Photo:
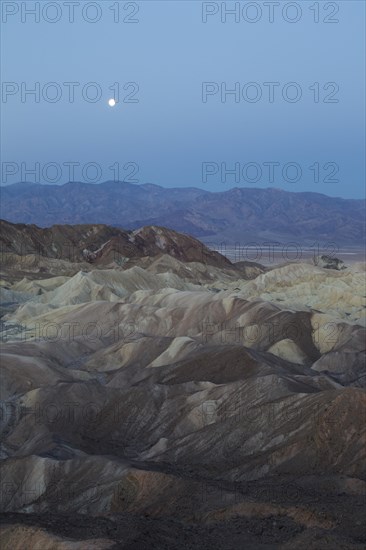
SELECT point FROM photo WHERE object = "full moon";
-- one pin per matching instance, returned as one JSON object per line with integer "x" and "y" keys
{"x": 111, "y": 102}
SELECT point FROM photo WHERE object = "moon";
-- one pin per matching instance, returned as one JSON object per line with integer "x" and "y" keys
{"x": 112, "y": 102}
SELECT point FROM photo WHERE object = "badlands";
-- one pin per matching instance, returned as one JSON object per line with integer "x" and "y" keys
{"x": 156, "y": 395}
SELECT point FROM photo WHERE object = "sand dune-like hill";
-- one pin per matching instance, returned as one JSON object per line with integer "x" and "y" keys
{"x": 170, "y": 399}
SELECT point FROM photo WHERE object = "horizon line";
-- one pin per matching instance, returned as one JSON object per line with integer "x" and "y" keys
{"x": 279, "y": 189}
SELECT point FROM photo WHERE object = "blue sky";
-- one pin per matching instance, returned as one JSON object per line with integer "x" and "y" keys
{"x": 169, "y": 135}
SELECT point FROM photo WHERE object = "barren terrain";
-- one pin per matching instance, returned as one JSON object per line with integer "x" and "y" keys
{"x": 156, "y": 395}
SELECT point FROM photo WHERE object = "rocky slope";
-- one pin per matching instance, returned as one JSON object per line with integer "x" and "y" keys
{"x": 177, "y": 404}
{"x": 101, "y": 244}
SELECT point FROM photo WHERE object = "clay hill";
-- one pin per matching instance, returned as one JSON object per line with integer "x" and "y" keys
{"x": 156, "y": 395}
{"x": 239, "y": 214}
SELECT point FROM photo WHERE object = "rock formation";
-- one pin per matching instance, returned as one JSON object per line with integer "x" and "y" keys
{"x": 176, "y": 400}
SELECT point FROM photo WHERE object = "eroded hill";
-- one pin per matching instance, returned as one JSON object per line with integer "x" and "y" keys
{"x": 175, "y": 400}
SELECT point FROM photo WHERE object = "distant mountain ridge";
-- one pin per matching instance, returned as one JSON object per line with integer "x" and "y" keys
{"x": 239, "y": 214}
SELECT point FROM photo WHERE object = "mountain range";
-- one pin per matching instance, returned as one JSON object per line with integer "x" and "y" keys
{"x": 245, "y": 215}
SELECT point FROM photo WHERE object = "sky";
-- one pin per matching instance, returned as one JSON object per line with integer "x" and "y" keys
{"x": 295, "y": 117}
